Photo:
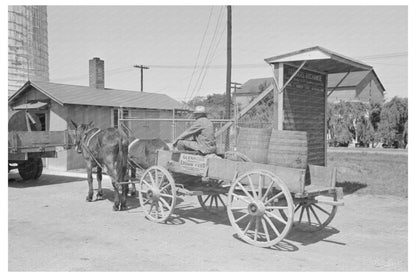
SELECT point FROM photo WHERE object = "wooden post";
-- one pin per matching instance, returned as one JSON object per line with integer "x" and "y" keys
{"x": 278, "y": 97}
{"x": 228, "y": 78}
{"x": 325, "y": 116}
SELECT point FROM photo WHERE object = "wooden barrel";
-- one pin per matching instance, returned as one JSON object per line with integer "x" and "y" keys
{"x": 254, "y": 143}
{"x": 288, "y": 149}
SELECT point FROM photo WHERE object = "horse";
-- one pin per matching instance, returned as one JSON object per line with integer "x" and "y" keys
{"x": 142, "y": 155}
{"x": 104, "y": 148}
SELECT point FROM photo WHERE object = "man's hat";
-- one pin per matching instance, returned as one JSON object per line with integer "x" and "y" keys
{"x": 199, "y": 110}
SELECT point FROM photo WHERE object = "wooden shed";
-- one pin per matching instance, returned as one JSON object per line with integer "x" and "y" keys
{"x": 301, "y": 93}
{"x": 57, "y": 104}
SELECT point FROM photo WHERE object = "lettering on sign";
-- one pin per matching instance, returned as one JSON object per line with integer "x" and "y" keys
{"x": 195, "y": 163}
{"x": 304, "y": 79}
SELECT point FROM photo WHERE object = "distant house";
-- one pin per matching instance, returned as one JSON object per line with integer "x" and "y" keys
{"x": 251, "y": 89}
{"x": 363, "y": 86}
{"x": 57, "y": 104}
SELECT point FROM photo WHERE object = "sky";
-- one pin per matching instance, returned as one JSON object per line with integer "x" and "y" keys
{"x": 185, "y": 46}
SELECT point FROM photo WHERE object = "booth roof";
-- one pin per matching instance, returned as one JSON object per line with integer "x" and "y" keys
{"x": 320, "y": 59}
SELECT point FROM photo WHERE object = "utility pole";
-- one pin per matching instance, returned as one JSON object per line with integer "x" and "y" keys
{"x": 228, "y": 79}
{"x": 141, "y": 74}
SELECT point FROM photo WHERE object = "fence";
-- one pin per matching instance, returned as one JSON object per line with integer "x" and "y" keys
{"x": 170, "y": 128}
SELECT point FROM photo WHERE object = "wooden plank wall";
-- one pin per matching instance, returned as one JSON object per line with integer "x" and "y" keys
{"x": 304, "y": 110}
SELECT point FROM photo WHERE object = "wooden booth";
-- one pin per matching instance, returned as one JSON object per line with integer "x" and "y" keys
{"x": 299, "y": 104}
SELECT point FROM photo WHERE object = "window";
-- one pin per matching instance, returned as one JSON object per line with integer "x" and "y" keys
{"x": 114, "y": 117}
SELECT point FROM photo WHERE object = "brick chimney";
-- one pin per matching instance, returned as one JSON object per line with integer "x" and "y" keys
{"x": 96, "y": 73}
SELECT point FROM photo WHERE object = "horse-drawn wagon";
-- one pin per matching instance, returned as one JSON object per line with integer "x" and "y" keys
{"x": 263, "y": 201}
{"x": 27, "y": 144}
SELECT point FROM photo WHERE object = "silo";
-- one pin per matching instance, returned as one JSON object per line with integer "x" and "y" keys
{"x": 28, "y": 45}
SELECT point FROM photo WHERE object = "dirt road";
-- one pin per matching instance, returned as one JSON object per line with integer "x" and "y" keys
{"x": 53, "y": 228}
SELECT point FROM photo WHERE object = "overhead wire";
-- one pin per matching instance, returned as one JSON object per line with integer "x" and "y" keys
{"x": 199, "y": 52}
{"x": 204, "y": 67}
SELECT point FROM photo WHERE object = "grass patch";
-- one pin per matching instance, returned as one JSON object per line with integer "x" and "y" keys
{"x": 371, "y": 173}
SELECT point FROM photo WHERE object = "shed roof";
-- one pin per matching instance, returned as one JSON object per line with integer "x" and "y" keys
{"x": 84, "y": 95}
{"x": 321, "y": 60}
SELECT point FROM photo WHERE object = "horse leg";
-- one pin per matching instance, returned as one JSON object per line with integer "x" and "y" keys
{"x": 125, "y": 190}
{"x": 133, "y": 185}
{"x": 89, "y": 178}
{"x": 114, "y": 180}
{"x": 99, "y": 179}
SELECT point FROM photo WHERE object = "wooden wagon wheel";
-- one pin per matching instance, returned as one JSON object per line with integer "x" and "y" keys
{"x": 30, "y": 169}
{"x": 311, "y": 216}
{"x": 157, "y": 193}
{"x": 254, "y": 201}
{"x": 213, "y": 203}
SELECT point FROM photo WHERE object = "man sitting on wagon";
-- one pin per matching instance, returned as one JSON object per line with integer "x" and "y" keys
{"x": 200, "y": 136}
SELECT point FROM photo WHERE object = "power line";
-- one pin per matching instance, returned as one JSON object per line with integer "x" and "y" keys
{"x": 208, "y": 53}
{"x": 199, "y": 52}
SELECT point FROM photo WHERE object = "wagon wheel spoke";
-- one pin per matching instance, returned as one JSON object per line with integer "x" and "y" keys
{"x": 268, "y": 220}
{"x": 297, "y": 208}
{"x": 166, "y": 195}
{"x": 248, "y": 225}
{"x": 274, "y": 197}
{"x": 245, "y": 191}
{"x": 147, "y": 184}
{"x": 267, "y": 191}
{"x": 328, "y": 213}
{"x": 309, "y": 216}
{"x": 206, "y": 199}
{"x": 252, "y": 187}
{"x": 240, "y": 197}
{"x": 151, "y": 178}
{"x": 301, "y": 214}
{"x": 314, "y": 214}
{"x": 219, "y": 197}
{"x": 256, "y": 228}
{"x": 276, "y": 217}
{"x": 216, "y": 201}
{"x": 241, "y": 217}
{"x": 266, "y": 232}
{"x": 212, "y": 200}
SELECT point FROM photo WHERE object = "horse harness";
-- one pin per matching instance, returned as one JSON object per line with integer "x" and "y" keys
{"x": 86, "y": 145}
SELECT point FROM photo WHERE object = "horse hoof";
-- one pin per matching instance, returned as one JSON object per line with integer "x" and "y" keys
{"x": 115, "y": 208}
{"x": 123, "y": 208}
{"x": 88, "y": 199}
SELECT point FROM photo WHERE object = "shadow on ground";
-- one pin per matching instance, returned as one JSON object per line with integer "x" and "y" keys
{"x": 350, "y": 187}
{"x": 15, "y": 181}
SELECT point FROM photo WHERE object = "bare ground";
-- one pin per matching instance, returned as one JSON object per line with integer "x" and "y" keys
{"x": 52, "y": 228}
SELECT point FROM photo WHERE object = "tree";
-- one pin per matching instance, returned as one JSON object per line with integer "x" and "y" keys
{"x": 393, "y": 118}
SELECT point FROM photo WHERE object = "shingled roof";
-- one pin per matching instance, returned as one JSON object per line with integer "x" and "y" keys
{"x": 84, "y": 95}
